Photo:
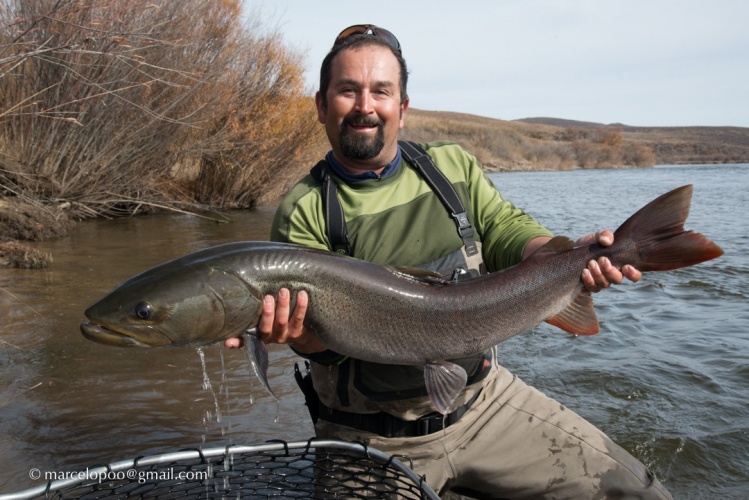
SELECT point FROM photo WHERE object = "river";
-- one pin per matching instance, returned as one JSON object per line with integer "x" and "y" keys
{"x": 667, "y": 378}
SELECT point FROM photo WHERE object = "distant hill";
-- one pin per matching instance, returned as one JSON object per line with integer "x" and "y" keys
{"x": 674, "y": 145}
{"x": 559, "y": 144}
{"x": 559, "y": 122}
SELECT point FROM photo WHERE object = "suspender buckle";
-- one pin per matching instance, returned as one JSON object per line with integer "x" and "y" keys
{"x": 466, "y": 233}
{"x": 462, "y": 221}
{"x": 342, "y": 249}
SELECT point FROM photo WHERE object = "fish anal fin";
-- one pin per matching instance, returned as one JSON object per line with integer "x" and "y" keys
{"x": 444, "y": 382}
{"x": 578, "y": 318}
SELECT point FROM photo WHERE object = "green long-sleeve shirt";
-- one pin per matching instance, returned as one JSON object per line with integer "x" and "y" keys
{"x": 398, "y": 220}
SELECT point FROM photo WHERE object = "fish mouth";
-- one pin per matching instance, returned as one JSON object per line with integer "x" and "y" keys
{"x": 109, "y": 336}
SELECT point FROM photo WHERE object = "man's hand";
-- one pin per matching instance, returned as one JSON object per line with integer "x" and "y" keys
{"x": 601, "y": 273}
{"x": 278, "y": 325}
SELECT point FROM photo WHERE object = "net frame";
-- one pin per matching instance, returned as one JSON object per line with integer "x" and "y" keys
{"x": 317, "y": 468}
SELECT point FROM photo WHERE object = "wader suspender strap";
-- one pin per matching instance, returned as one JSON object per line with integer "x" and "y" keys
{"x": 335, "y": 223}
{"x": 444, "y": 191}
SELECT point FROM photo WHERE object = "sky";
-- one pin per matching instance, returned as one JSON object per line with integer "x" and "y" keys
{"x": 636, "y": 62}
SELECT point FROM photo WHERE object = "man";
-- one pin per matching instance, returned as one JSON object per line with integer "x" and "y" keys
{"x": 501, "y": 438}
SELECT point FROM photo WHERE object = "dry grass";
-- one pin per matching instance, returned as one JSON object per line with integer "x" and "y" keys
{"x": 20, "y": 256}
{"x": 505, "y": 145}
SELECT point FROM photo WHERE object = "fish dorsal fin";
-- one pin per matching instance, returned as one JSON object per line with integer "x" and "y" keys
{"x": 444, "y": 381}
{"x": 417, "y": 274}
{"x": 578, "y": 318}
{"x": 555, "y": 245}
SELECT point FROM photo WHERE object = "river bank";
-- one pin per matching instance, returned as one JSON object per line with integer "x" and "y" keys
{"x": 23, "y": 221}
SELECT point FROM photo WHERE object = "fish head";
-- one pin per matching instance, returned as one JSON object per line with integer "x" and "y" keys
{"x": 185, "y": 306}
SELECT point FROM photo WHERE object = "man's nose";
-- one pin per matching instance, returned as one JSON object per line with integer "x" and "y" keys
{"x": 364, "y": 102}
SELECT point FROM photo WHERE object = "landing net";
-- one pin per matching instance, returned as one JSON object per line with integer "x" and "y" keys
{"x": 277, "y": 470}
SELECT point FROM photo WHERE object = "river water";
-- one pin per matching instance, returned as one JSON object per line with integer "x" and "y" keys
{"x": 667, "y": 377}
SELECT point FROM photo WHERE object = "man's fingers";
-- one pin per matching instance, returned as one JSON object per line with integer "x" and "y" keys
{"x": 296, "y": 322}
{"x": 593, "y": 277}
{"x": 233, "y": 342}
{"x": 281, "y": 322}
{"x": 277, "y": 324}
{"x": 605, "y": 238}
{"x": 588, "y": 281}
{"x": 609, "y": 274}
{"x": 595, "y": 270}
{"x": 632, "y": 274}
{"x": 265, "y": 325}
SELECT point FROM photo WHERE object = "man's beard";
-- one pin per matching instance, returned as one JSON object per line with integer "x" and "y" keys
{"x": 361, "y": 146}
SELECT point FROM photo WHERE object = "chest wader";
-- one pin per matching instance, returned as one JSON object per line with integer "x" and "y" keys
{"x": 380, "y": 382}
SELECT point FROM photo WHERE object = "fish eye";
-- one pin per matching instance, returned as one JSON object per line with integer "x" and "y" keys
{"x": 144, "y": 310}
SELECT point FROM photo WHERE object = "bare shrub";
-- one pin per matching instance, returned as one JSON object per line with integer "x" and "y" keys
{"x": 637, "y": 155}
{"x": 608, "y": 136}
{"x": 116, "y": 105}
{"x": 570, "y": 134}
{"x": 586, "y": 154}
{"x": 551, "y": 156}
{"x": 495, "y": 147}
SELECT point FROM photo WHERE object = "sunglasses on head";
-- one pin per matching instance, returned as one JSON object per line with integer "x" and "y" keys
{"x": 369, "y": 29}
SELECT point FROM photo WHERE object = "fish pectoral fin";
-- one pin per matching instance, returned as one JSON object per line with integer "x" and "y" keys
{"x": 421, "y": 275}
{"x": 444, "y": 381}
{"x": 578, "y": 318}
{"x": 257, "y": 355}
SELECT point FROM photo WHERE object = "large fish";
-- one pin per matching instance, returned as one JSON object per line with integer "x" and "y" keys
{"x": 387, "y": 314}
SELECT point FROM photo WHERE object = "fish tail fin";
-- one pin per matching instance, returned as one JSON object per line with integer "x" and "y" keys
{"x": 660, "y": 241}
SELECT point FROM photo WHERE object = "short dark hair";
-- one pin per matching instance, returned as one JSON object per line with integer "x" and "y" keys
{"x": 355, "y": 42}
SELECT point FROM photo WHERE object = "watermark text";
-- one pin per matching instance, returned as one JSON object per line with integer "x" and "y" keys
{"x": 103, "y": 476}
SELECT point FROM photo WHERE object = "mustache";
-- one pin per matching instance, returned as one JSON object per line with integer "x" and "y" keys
{"x": 362, "y": 121}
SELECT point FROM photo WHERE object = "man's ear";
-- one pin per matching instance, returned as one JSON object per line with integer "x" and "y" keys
{"x": 404, "y": 108}
{"x": 321, "y": 108}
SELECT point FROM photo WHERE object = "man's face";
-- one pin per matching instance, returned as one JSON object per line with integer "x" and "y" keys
{"x": 364, "y": 111}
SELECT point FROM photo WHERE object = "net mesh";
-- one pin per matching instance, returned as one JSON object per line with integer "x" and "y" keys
{"x": 312, "y": 469}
